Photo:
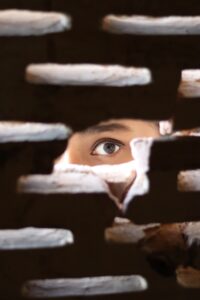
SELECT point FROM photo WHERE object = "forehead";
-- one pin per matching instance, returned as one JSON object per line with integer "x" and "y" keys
{"x": 125, "y": 129}
{"x": 140, "y": 127}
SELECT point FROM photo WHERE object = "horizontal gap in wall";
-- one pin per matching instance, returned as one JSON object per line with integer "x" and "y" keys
{"x": 178, "y": 207}
{"x": 186, "y": 114}
{"x": 101, "y": 8}
{"x": 98, "y": 46}
{"x": 168, "y": 154}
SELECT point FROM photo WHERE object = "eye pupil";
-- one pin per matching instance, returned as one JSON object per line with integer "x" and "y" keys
{"x": 109, "y": 148}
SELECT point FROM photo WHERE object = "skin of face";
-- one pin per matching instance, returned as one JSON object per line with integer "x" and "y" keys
{"x": 108, "y": 143}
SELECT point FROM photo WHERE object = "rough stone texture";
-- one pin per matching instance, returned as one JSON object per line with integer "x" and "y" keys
{"x": 84, "y": 287}
{"x": 33, "y": 238}
{"x": 62, "y": 183}
{"x": 188, "y": 277}
{"x": 114, "y": 180}
{"x": 13, "y": 132}
{"x": 126, "y": 233}
{"x": 25, "y": 22}
{"x": 190, "y": 84}
{"x": 87, "y": 74}
{"x": 144, "y": 25}
{"x": 189, "y": 181}
{"x": 110, "y": 173}
{"x": 164, "y": 237}
{"x": 76, "y": 179}
{"x": 117, "y": 178}
{"x": 167, "y": 246}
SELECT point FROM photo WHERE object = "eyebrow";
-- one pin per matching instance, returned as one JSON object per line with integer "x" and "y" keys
{"x": 106, "y": 127}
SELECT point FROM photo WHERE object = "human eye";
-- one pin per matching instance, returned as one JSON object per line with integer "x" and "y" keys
{"x": 106, "y": 147}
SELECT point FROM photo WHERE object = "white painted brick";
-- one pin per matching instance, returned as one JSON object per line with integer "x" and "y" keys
{"x": 190, "y": 84}
{"x": 148, "y": 25}
{"x": 34, "y": 238}
{"x": 32, "y": 132}
{"x": 74, "y": 182}
{"x": 24, "y": 22}
{"x": 92, "y": 286}
{"x": 87, "y": 74}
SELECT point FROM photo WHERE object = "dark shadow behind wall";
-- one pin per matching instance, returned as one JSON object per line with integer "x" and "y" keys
{"x": 80, "y": 107}
{"x": 87, "y": 43}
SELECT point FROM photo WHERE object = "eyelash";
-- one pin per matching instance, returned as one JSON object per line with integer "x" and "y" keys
{"x": 97, "y": 143}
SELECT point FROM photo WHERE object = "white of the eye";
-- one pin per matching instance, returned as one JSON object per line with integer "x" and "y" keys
{"x": 100, "y": 149}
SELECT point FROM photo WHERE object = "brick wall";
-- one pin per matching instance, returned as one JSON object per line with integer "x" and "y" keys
{"x": 59, "y": 227}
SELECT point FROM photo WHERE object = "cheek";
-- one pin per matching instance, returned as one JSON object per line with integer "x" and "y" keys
{"x": 75, "y": 150}
{"x": 74, "y": 155}
{"x": 82, "y": 156}
{"x": 123, "y": 156}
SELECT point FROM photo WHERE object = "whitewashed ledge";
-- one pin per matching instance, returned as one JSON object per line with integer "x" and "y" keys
{"x": 32, "y": 132}
{"x": 83, "y": 287}
{"x": 60, "y": 183}
{"x": 119, "y": 173}
{"x": 149, "y": 25}
{"x": 25, "y": 23}
{"x": 34, "y": 238}
{"x": 87, "y": 75}
{"x": 190, "y": 84}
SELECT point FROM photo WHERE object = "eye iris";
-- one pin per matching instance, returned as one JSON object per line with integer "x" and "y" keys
{"x": 109, "y": 148}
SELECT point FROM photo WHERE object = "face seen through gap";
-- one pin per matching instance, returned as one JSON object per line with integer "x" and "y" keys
{"x": 108, "y": 143}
